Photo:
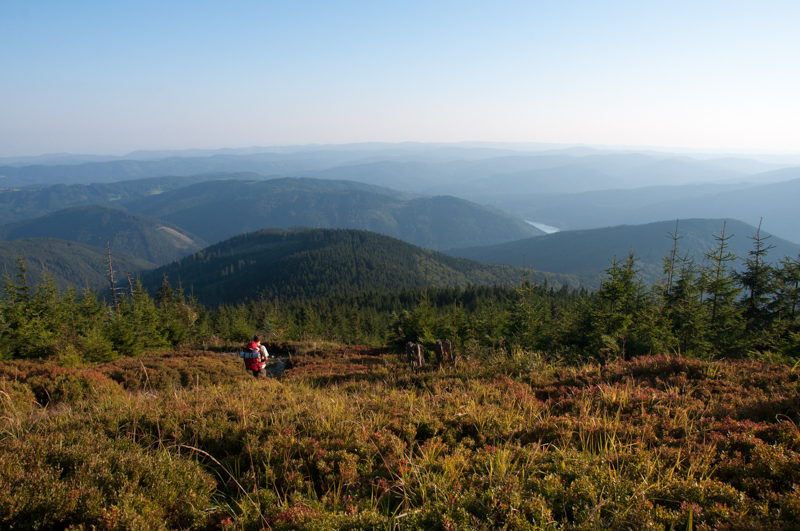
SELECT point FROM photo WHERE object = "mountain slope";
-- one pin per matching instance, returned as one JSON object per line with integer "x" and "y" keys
{"x": 216, "y": 211}
{"x": 775, "y": 202}
{"x": 28, "y": 203}
{"x": 137, "y": 235}
{"x": 299, "y": 264}
{"x": 69, "y": 263}
{"x": 587, "y": 252}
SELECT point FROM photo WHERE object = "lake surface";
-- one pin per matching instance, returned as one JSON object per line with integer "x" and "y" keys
{"x": 549, "y": 229}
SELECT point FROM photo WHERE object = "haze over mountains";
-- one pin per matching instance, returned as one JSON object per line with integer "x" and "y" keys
{"x": 219, "y": 209}
{"x": 471, "y": 198}
{"x": 589, "y": 252}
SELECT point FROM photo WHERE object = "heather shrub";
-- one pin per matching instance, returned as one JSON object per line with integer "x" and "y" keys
{"x": 86, "y": 481}
{"x": 52, "y": 384}
{"x": 15, "y": 397}
{"x": 174, "y": 370}
{"x": 348, "y": 439}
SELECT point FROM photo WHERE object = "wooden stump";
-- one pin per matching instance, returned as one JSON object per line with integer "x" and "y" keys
{"x": 444, "y": 352}
{"x": 414, "y": 353}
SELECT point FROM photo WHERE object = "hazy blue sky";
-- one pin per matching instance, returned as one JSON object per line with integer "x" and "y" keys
{"x": 111, "y": 77}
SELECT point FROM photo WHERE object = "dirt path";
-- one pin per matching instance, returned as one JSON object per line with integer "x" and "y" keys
{"x": 276, "y": 364}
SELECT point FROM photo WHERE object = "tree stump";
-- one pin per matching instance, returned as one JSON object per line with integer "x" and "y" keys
{"x": 414, "y": 353}
{"x": 444, "y": 352}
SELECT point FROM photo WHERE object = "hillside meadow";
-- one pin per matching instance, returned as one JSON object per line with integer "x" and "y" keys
{"x": 349, "y": 438}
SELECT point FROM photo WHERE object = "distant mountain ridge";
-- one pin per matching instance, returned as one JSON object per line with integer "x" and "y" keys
{"x": 569, "y": 187}
{"x": 134, "y": 234}
{"x": 28, "y": 203}
{"x": 588, "y": 252}
{"x": 775, "y": 202}
{"x": 216, "y": 211}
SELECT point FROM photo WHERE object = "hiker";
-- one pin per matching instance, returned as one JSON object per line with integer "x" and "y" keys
{"x": 257, "y": 363}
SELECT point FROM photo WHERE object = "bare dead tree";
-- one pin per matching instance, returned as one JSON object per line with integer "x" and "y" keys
{"x": 111, "y": 277}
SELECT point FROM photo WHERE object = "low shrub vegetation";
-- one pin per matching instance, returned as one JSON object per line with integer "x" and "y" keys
{"x": 349, "y": 438}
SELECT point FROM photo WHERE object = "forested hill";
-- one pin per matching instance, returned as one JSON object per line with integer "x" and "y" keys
{"x": 216, "y": 211}
{"x": 587, "y": 252}
{"x": 299, "y": 264}
{"x": 28, "y": 203}
{"x": 69, "y": 263}
{"x": 228, "y": 205}
{"x": 137, "y": 235}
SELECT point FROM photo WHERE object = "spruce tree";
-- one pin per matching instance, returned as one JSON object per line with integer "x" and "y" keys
{"x": 757, "y": 280}
{"x": 683, "y": 308}
{"x": 786, "y": 303}
{"x": 614, "y": 306}
{"x": 529, "y": 314}
{"x": 721, "y": 291}
{"x": 785, "y": 307}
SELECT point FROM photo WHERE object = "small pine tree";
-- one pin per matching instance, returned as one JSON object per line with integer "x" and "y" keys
{"x": 683, "y": 308}
{"x": 613, "y": 310}
{"x": 529, "y": 317}
{"x": 722, "y": 290}
{"x": 757, "y": 281}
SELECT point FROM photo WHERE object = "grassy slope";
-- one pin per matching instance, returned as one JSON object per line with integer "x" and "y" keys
{"x": 351, "y": 439}
{"x": 291, "y": 264}
{"x": 137, "y": 235}
{"x": 69, "y": 263}
{"x": 587, "y": 252}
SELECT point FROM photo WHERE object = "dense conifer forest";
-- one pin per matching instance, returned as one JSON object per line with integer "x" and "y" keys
{"x": 635, "y": 406}
{"x": 707, "y": 310}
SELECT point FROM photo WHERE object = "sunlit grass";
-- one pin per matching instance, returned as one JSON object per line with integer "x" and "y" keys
{"x": 352, "y": 439}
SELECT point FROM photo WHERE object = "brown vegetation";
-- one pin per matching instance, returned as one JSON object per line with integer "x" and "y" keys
{"x": 349, "y": 438}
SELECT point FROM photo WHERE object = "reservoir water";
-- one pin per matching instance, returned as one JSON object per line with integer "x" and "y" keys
{"x": 549, "y": 229}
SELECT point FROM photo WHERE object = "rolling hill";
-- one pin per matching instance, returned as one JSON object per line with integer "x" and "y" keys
{"x": 28, "y": 203}
{"x": 219, "y": 210}
{"x": 137, "y": 235}
{"x": 298, "y": 264}
{"x": 228, "y": 205}
{"x": 69, "y": 263}
{"x": 775, "y": 202}
{"x": 587, "y": 252}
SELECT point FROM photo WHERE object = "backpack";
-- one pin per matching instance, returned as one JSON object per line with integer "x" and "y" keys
{"x": 252, "y": 355}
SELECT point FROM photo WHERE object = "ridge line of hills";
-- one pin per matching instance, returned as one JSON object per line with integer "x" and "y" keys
{"x": 288, "y": 265}
{"x": 143, "y": 237}
{"x": 586, "y": 252}
{"x": 214, "y": 210}
{"x": 612, "y": 201}
{"x": 291, "y": 264}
